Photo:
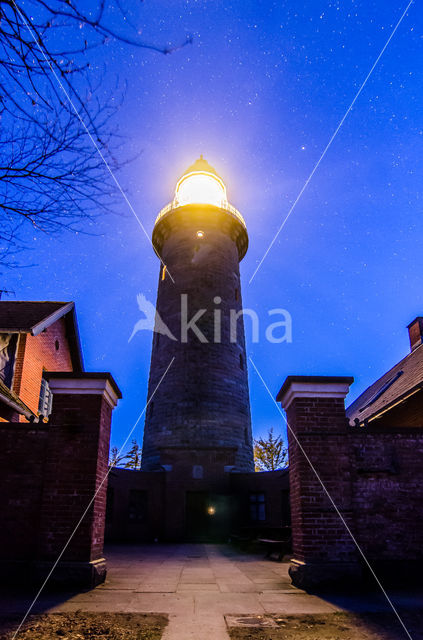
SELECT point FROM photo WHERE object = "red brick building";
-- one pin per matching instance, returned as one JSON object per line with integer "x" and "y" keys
{"x": 34, "y": 337}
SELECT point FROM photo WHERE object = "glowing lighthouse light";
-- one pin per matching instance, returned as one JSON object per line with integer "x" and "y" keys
{"x": 200, "y": 187}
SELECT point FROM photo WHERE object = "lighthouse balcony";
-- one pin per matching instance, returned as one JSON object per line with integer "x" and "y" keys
{"x": 175, "y": 204}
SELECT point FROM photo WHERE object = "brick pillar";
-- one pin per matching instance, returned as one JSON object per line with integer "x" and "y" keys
{"x": 323, "y": 551}
{"x": 76, "y": 463}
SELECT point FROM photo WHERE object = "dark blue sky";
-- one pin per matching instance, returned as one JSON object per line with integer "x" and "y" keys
{"x": 259, "y": 93}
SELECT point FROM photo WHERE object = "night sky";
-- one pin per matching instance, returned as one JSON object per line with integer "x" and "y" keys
{"x": 259, "y": 93}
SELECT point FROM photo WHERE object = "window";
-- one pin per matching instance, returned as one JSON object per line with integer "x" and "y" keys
{"x": 163, "y": 272}
{"x": 257, "y": 507}
{"x": 8, "y": 343}
{"x": 241, "y": 361}
{"x": 237, "y": 294}
{"x": 57, "y": 345}
{"x": 138, "y": 506}
{"x": 197, "y": 471}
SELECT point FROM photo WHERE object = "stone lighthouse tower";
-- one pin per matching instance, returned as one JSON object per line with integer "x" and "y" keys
{"x": 198, "y": 422}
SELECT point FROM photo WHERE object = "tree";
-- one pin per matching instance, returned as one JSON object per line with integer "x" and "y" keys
{"x": 130, "y": 460}
{"x": 270, "y": 453}
{"x": 57, "y": 147}
{"x": 115, "y": 459}
{"x": 133, "y": 456}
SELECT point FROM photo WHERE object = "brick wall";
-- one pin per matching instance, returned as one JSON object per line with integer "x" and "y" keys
{"x": 165, "y": 517}
{"x": 319, "y": 425}
{"x": 48, "y": 351}
{"x": 76, "y": 463}
{"x": 275, "y": 487}
{"x": 22, "y": 459}
{"x": 374, "y": 476}
{"x": 143, "y": 527}
{"x": 388, "y": 492}
{"x": 49, "y": 474}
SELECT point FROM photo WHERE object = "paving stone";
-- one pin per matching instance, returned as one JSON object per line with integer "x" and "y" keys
{"x": 270, "y": 585}
{"x": 290, "y": 604}
{"x": 156, "y": 587}
{"x": 234, "y": 587}
{"x": 197, "y": 587}
{"x": 162, "y": 603}
{"x": 195, "y": 628}
{"x": 97, "y": 595}
{"x": 227, "y": 603}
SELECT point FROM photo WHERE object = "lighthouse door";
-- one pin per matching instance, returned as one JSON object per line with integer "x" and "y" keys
{"x": 197, "y": 518}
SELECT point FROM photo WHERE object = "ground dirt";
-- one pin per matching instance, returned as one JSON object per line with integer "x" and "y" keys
{"x": 337, "y": 626}
{"x": 85, "y": 626}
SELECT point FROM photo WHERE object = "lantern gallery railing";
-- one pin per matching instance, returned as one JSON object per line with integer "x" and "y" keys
{"x": 223, "y": 205}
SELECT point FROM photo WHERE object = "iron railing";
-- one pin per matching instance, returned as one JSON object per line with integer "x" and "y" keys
{"x": 224, "y": 205}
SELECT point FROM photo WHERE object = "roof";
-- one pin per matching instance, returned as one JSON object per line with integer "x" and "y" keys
{"x": 22, "y": 316}
{"x": 12, "y": 400}
{"x": 395, "y": 385}
{"x": 201, "y": 164}
{"x": 26, "y": 317}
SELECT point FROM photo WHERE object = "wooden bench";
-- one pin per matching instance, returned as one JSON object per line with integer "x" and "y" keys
{"x": 277, "y": 547}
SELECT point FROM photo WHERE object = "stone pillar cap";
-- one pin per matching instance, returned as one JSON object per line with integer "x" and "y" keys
{"x": 87, "y": 382}
{"x": 313, "y": 387}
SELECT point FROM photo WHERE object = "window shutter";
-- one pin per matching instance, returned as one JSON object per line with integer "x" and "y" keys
{"x": 45, "y": 402}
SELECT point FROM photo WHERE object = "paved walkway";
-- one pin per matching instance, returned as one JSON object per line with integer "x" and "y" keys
{"x": 196, "y": 585}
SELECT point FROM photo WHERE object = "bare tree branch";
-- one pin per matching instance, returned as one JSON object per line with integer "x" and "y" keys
{"x": 52, "y": 177}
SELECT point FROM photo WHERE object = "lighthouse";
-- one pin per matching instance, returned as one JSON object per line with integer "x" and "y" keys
{"x": 198, "y": 423}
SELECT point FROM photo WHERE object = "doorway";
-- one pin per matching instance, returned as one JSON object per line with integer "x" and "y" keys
{"x": 197, "y": 518}
{"x": 206, "y": 517}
